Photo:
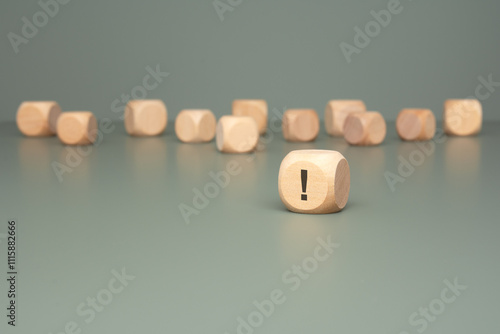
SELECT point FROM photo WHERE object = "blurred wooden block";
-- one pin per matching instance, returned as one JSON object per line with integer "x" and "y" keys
{"x": 416, "y": 124}
{"x": 257, "y": 109}
{"x": 195, "y": 126}
{"x": 462, "y": 117}
{"x": 367, "y": 128}
{"x": 314, "y": 181}
{"x": 38, "y": 118}
{"x": 337, "y": 111}
{"x": 300, "y": 125}
{"x": 236, "y": 134}
{"x": 145, "y": 117}
{"x": 77, "y": 128}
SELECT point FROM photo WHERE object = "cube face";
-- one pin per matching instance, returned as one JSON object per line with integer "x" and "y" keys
{"x": 77, "y": 128}
{"x": 38, "y": 118}
{"x": 336, "y": 112}
{"x": 314, "y": 181}
{"x": 145, "y": 117}
{"x": 365, "y": 129}
{"x": 300, "y": 125}
{"x": 236, "y": 134}
{"x": 195, "y": 126}
{"x": 462, "y": 117}
{"x": 416, "y": 124}
{"x": 257, "y": 109}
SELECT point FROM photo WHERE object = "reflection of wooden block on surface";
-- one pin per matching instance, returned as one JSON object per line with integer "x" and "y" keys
{"x": 462, "y": 117}
{"x": 77, "y": 128}
{"x": 257, "y": 109}
{"x": 38, "y": 118}
{"x": 195, "y": 126}
{"x": 337, "y": 111}
{"x": 145, "y": 117}
{"x": 314, "y": 181}
{"x": 367, "y": 128}
{"x": 300, "y": 125}
{"x": 236, "y": 134}
{"x": 416, "y": 124}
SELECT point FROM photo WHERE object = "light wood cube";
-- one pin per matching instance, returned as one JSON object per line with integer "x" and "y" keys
{"x": 236, "y": 134}
{"x": 257, "y": 109}
{"x": 337, "y": 111}
{"x": 38, "y": 118}
{"x": 77, "y": 128}
{"x": 416, "y": 124}
{"x": 195, "y": 126}
{"x": 300, "y": 125}
{"x": 314, "y": 181}
{"x": 145, "y": 117}
{"x": 462, "y": 117}
{"x": 367, "y": 128}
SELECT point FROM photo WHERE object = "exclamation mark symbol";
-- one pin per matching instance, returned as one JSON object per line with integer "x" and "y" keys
{"x": 303, "y": 176}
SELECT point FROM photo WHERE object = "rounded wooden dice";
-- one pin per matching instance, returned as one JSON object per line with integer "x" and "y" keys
{"x": 77, "y": 128}
{"x": 257, "y": 109}
{"x": 195, "y": 126}
{"x": 416, "y": 124}
{"x": 236, "y": 134}
{"x": 462, "y": 117}
{"x": 337, "y": 111}
{"x": 314, "y": 181}
{"x": 367, "y": 128}
{"x": 38, "y": 118}
{"x": 145, "y": 117}
{"x": 300, "y": 125}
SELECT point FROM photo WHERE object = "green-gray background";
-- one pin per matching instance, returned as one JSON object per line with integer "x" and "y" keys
{"x": 118, "y": 204}
{"x": 285, "y": 51}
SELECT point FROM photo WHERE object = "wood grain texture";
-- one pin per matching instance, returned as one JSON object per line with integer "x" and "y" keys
{"x": 462, "y": 117}
{"x": 195, "y": 126}
{"x": 337, "y": 111}
{"x": 145, "y": 117}
{"x": 77, "y": 128}
{"x": 257, "y": 109}
{"x": 300, "y": 125}
{"x": 365, "y": 129}
{"x": 236, "y": 134}
{"x": 416, "y": 124}
{"x": 38, "y": 118}
{"x": 327, "y": 184}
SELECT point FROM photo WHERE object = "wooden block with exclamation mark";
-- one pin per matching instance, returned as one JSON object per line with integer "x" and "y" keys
{"x": 314, "y": 181}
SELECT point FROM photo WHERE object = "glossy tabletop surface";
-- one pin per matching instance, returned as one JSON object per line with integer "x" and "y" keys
{"x": 149, "y": 235}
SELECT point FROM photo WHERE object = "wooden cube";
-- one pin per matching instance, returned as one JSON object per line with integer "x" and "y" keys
{"x": 77, "y": 128}
{"x": 337, "y": 111}
{"x": 236, "y": 134}
{"x": 416, "y": 124}
{"x": 145, "y": 117}
{"x": 257, "y": 109}
{"x": 38, "y": 118}
{"x": 366, "y": 128}
{"x": 300, "y": 125}
{"x": 195, "y": 126}
{"x": 462, "y": 117}
{"x": 314, "y": 181}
